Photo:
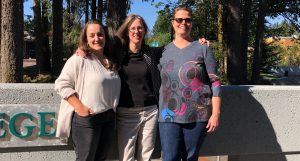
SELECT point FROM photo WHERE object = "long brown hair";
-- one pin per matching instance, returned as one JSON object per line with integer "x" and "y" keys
{"x": 122, "y": 32}
{"x": 83, "y": 45}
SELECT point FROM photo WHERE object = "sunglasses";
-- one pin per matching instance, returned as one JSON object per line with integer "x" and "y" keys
{"x": 180, "y": 20}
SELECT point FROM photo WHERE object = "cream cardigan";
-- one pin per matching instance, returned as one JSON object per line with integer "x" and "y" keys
{"x": 75, "y": 78}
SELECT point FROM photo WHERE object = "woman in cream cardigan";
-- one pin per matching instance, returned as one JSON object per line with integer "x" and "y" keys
{"x": 89, "y": 87}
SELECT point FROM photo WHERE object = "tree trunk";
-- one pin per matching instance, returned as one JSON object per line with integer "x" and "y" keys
{"x": 206, "y": 13}
{"x": 38, "y": 32}
{"x": 12, "y": 47}
{"x": 116, "y": 13}
{"x": 0, "y": 39}
{"x": 258, "y": 42}
{"x": 100, "y": 10}
{"x": 235, "y": 72}
{"x": 69, "y": 14}
{"x": 93, "y": 8}
{"x": 220, "y": 27}
{"x": 86, "y": 11}
{"x": 57, "y": 42}
{"x": 220, "y": 36}
{"x": 73, "y": 12}
{"x": 245, "y": 34}
{"x": 45, "y": 59}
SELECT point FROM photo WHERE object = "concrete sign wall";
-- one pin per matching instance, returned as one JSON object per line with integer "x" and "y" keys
{"x": 257, "y": 123}
{"x": 257, "y": 119}
{"x": 28, "y": 115}
{"x": 23, "y": 125}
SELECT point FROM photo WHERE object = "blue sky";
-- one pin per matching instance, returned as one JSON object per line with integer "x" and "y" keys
{"x": 145, "y": 9}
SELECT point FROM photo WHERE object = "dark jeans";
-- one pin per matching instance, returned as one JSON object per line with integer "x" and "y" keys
{"x": 92, "y": 135}
{"x": 181, "y": 141}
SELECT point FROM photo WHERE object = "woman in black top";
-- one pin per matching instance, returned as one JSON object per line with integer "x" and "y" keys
{"x": 137, "y": 111}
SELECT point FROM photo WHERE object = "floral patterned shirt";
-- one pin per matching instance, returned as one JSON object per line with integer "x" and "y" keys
{"x": 185, "y": 94}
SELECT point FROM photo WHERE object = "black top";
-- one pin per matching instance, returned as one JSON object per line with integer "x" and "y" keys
{"x": 140, "y": 78}
{"x": 135, "y": 80}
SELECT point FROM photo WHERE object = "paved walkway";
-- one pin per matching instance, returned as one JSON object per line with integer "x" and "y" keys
{"x": 213, "y": 158}
{"x": 28, "y": 62}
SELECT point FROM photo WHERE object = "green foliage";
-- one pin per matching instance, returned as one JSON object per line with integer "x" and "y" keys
{"x": 291, "y": 55}
{"x": 272, "y": 55}
{"x": 28, "y": 24}
{"x": 48, "y": 5}
{"x": 163, "y": 22}
{"x": 283, "y": 29}
{"x": 205, "y": 19}
{"x": 71, "y": 39}
{"x": 289, "y": 9}
{"x": 40, "y": 78}
{"x": 220, "y": 57}
{"x": 72, "y": 25}
{"x": 161, "y": 38}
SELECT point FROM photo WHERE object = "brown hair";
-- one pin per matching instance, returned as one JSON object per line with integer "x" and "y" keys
{"x": 83, "y": 45}
{"x": 122, "y": 32}
{"x": 182, "y": 7}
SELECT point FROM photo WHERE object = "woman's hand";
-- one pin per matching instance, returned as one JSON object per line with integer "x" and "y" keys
{"x": 213, "y": 123}
{"x": 203, "y": 41}
{"x": 79, "y": 107}
{"x": 84, "y": 111}
{"x": 80, "y": 53}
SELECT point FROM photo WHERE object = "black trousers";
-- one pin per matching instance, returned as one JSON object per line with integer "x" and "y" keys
{"x": 92, "y": 135}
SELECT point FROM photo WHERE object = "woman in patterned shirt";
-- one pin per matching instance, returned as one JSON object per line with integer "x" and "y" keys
{"x": 189, "y": 102}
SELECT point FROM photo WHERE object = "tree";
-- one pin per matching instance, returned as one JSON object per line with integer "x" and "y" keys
{"x": 72, "y": 23}
{"x": 93, "y": 9}
{"x": 42, "y": 35}
{"x": 12, "y": 47}
{"x": 162, "y": 27}
{"x": 284, "y": 28}
{"x": 163, "y": 21}
{"x": 116, "y": 13}
{"x": 57, "y": 42}
{"x": 100, "y": 10}
{"x": 38, "y": 32}
{"x": 236, "y": 71}
{"x": 73, "y": 13}
{"x": 220, "y": 25}
{"x": 290, "y": 9}
{"x": 223, "y": 61}
{"x": 246, "y": 20}
{"x": 0, "y": 39}
{"x": 258, "y": 42}
{"x": 86, "y": 11}
{"x": 45, "y": 65}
